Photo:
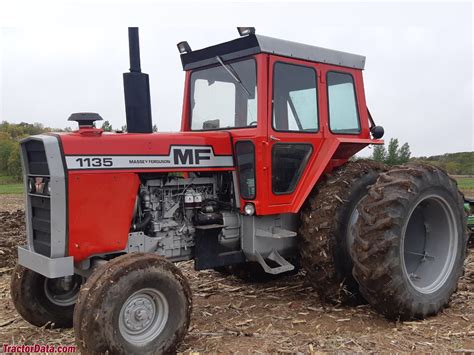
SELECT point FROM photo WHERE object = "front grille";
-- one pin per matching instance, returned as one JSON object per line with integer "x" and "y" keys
{"x": 39, "y": 204}
{"x": 36, "y": 158}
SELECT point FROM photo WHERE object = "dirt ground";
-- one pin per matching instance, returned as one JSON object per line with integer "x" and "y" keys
{"x": 286, "y": 315}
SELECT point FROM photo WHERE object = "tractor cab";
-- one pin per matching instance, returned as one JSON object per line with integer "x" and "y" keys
{"x": 294, "y": 111}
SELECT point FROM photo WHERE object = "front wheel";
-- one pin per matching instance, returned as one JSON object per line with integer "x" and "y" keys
{"x": 42, "y": 301}
{"x": 410, "y": 243}
{"x": 135, "y": 304}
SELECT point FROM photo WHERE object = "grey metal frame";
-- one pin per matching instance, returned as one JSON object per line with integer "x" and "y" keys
{"x": 254, "y": 44}
{"x": 58, "y": 199}
{"x": 307, "y": 52}
{"x": 267, "y": 237}
{"x": 263, "y": 234}
{"x": 49, "y": 267}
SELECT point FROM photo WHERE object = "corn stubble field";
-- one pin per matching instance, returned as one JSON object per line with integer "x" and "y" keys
{"x": 279, "y": 316}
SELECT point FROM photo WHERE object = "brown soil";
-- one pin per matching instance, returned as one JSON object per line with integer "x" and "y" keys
{"x": 12, "y": 234}
{"x": 11, "y": 202}
{"x": 280, "y": 316}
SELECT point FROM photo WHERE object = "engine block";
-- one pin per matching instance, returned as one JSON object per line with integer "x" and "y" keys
{"x": 170, "y": 207}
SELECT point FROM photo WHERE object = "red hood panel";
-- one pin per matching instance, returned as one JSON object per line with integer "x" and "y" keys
{"x": 168, "y": 151}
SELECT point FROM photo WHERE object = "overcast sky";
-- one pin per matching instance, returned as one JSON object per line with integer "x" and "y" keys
{"x": 69, "y": 57}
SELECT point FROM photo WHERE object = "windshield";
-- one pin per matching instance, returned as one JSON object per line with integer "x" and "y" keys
{"x": 224, "y": 96}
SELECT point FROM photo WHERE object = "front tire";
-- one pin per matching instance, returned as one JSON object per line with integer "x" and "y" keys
{"x": 411, "y": 241}
{"x": 135, "y": 304}
{"x": 42, "y": 301}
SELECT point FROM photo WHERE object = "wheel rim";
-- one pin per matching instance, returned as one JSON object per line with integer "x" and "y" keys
{"x": 62, "y": 291}
{"x": 143, "y": 316}
{"x": 429, "y": 244}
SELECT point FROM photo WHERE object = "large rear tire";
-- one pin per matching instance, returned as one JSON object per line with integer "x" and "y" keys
{"x": 325, "y": 231}
{"x": 42, "y": 301}
{"x": 135, "y": 304}
{"x": 410, "y": 243}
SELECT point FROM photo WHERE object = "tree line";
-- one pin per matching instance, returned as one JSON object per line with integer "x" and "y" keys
{"x": 454, "y": 163}
{"x": 11, "y": 134}
{"x": 394, "y": 154}
{"x": 461, "y": 163}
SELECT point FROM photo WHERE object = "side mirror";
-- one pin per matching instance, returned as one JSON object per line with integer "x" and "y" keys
{"x": 377, "y": 132}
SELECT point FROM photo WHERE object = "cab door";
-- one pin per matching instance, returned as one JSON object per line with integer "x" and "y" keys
{"x": 294, "y": 128}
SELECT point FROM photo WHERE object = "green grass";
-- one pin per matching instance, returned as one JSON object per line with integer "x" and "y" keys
{"x": 8, "y": 185}
{"x": 7, "y": 180}
{"x": 465, "y": 183}
{"x": 11, "y": 189}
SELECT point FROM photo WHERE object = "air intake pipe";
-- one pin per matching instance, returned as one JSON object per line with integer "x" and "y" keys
{"x": 136, "y": 87}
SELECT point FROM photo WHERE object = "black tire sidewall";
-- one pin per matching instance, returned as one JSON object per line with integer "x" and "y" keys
{"x": 342, "y": 255}
{"x": 32, "y": 303}
{"x": 324, "y": 230}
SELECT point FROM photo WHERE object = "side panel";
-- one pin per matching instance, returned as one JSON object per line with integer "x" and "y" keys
{"x": 190, "y": 151}
{"x": 100, "y": 212}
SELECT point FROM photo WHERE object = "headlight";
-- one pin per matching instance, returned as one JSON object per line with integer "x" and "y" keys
{"x": 39, "y": 185}
{"x": 249, "y": 209}
{"x": 31, "y": 185}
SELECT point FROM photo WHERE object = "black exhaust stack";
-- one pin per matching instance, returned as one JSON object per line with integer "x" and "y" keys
{"x": 136, "y": 87}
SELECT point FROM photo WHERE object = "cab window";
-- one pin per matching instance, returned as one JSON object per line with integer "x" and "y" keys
{"x": 295, "y": 104}
{"x": 343, "y": 114}
{"x": 288, "y": 163}
{"x": 245, "y": 153}
{"x": 224, "y": 96}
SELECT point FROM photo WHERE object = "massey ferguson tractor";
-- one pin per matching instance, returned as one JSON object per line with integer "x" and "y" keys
{"x": 257, "y": 183}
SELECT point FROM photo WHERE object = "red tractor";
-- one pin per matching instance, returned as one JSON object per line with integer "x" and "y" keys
{"x": 257, "y": 182}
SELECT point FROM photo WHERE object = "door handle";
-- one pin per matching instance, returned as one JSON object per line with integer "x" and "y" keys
{"x": 273, "y": 138}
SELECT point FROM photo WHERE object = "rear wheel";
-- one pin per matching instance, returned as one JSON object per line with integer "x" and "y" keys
{"x": 411, "y": 242}
{"x": 42, "y": 301}
{"x": 326, "y": 230}
{"x": 136, "y": 303}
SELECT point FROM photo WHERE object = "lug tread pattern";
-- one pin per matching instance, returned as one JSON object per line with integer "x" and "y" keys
{"x": 91, "y": 328}
{"x": 375, "y": 252}
{"x": 320, "y": 242}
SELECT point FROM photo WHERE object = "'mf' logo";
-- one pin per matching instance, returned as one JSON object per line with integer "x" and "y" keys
{"x": 191, "y": 156}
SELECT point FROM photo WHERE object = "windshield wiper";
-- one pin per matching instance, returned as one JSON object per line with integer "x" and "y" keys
{"x": 233, "y": 74}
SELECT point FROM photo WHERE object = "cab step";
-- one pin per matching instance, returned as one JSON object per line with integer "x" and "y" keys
{"x": 276, "y": 232}
{"x": 283, "y": 264}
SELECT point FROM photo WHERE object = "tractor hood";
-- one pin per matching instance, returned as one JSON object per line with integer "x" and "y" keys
{"x": 92, "y": 149}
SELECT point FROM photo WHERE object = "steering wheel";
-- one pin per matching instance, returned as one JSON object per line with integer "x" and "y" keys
{"x": 253, "y": 123}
